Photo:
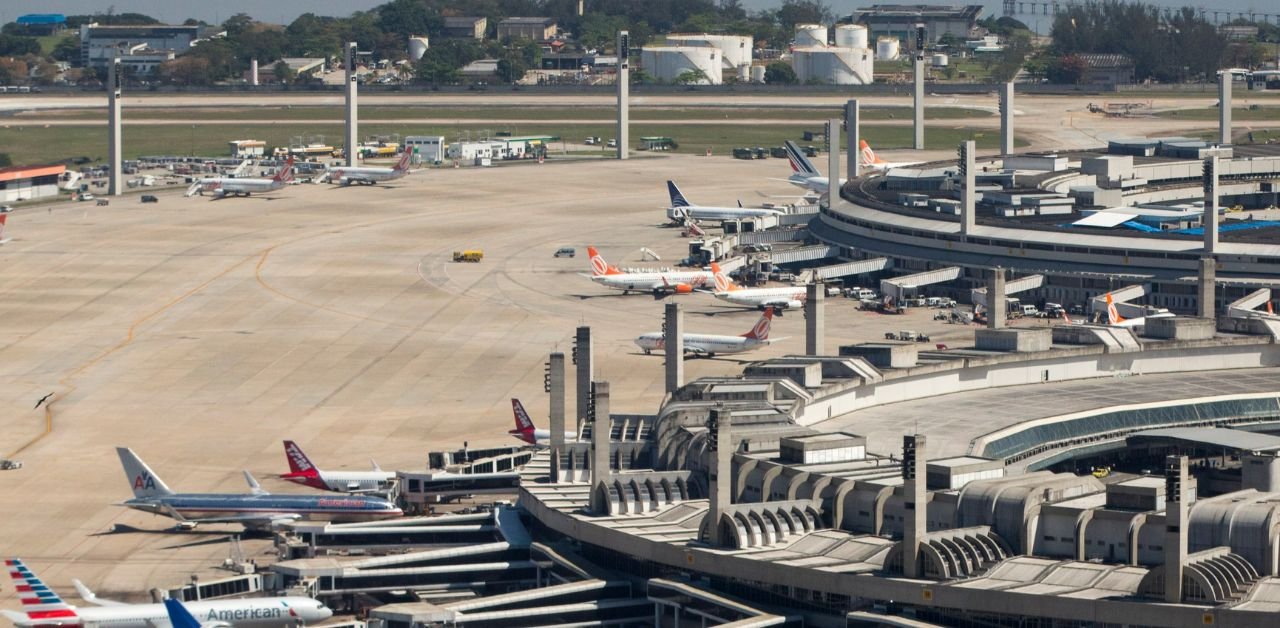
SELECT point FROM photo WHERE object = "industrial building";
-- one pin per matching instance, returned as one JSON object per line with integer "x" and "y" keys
{"x": 735, "y": 50}
{"x": 535, "y": 28}
{"x": 144, "y": 44}
{"x": 847, "y": 62}
{"x": 42, "y": 23}
{"x": 26, "y": 183}
{"x": 899, "y": 20}
{"x": 465, "y": 27}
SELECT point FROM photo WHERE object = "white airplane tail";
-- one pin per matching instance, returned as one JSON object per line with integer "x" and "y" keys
{"x": 723, "y": 282}
{"x": 868, "y": 156}
{"x": 761, "y": 331}
{"x": 1113, "y": 315}
{"x": 142, "y": 479}
{"x": 41, "y": 606}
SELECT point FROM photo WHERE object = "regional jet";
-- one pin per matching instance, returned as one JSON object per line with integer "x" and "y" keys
{"x": 710, "y": 344}
{"x": 302, "y": 471}
{"x": 659, "y": 282}
{"x": 344, "y": 176}
{"x": 530, "y": 433}
{"x": 777, "y": 298}
{"x": 221, "y": 187}
{"x": 682, "y": 209}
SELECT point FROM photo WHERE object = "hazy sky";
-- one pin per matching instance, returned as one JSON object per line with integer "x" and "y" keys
{"x": 284, "y": 11}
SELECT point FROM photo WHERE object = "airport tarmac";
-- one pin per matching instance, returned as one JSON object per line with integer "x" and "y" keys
{"x": 201, "y": 333}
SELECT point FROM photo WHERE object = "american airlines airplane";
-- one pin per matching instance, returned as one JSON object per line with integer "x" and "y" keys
{"x": 343, "y": 175}
{"x": 257, "y": 510}
{"x": 42, "y": 607}
{"x": 709, "y": 344}
{"x": 528, "y": 432}
{"x": 776, "y": 298}
{"x": 659, "y": 282}
{"x": 302, "y": 471}
{"x": 682, "y": 209}
{"x": 221, "y": 187}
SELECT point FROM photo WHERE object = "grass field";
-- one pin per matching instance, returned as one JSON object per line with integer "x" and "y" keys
{"x": 36, "y": 144}
{"x": 1263, "y": 113}
{"x": 49, "y": 42}
{"x": 510, "y": 113}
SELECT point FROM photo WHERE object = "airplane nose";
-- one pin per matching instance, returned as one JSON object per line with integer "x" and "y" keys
{"x": 325, "y": 612}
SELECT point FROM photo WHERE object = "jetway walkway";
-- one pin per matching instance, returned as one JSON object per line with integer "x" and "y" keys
{"x": 898, "y": 286}
{"x": 804, "y": 254}
{"x": 774, "y": 235}
{"x": 1120, "y": 298}
{"x": 846, "y": 269}
{"x": 978, "y": 296}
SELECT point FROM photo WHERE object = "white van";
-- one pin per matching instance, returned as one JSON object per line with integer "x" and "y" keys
{"x": 1029, "y": 310}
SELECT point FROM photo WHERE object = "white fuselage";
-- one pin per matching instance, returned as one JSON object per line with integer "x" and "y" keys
{"x": 542, "y": 437}
{"x": 354, "y": 481}
{"x": 702, "y": 344}
{"x": 781, "y": 298}
{"x": 655, "y": 280}
{"x": 369, "y": 176}
{"x": 237, "y": 187}
{"x": 720, "y": 214}
{"x": 246, "y": 613}
{"x": 816, "y": 183}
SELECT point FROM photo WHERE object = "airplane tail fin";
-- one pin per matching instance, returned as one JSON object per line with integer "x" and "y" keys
{"x": 723, "y": 282}
{"x": 599, "y": 267}
{"x": 3, "y": 217}
{"x": 800, "y": 163}
{"x": 403, "y": 164}
{"x": 179, "y": 616}
{"x": 254, "y": 487}
{"x": 144, "y": 481}
{"x": 300, "y": 465}
{"x": 286, "y": 173}
{"x": 868, "y": 156}
{"x": 40, "y": 604}
{"x": 1113, "y": 316}
{"x": 677, "y": 198}
{"x": 761, "y": 330}
{"x": 524, "y": 424}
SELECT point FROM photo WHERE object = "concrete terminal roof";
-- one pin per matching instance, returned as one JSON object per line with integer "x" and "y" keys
{"x": 952, "y": 421}
{"x": 1209, "y": 436}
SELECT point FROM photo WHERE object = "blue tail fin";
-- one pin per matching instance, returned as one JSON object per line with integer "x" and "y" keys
{"x": 179, "y": 616}
{"x": 677, "y": 199}
{"x": 799, "y": 162}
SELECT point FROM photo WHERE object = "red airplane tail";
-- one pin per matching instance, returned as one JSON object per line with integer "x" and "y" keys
{"x": 300, "y": 466}
{"x": 403, "y": 164}
{"x": 524, "y": 424}
{"x": 286, "y": 174}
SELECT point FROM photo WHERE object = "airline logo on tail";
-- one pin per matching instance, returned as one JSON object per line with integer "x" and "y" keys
{"x": 868, "y": 155}
{"x": 286, "y": 174}
{"x": 1113, "y": 316}
{"x": 761, "y": 330}
{"x": 723, "y": 282}
{"x": 524, "y": 424}
{"x": 298, "y": 461}
{"x": 403, "y": 164}
{"x": 39, "y": 602}
{"x": 677, "y": 199}
{"x": 799, "y": 163}
{"x": 599, "y": 267}
{"x": 144, "y": 481}
{"x": 3, "y": 217}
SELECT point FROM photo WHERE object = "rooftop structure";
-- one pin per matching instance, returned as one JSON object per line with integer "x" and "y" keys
{"x": 535, "y": 28}
{"x": 900, "y": 20}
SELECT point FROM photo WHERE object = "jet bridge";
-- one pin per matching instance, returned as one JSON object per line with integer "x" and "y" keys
{"x": 897, "y": 287}
{"x": 1121, "y": 297}
{"x": 1251, "y": 318}
{"x": 802, "y": 254}
{"x": 845, "y": 269}
{"x": 978, "y": 296}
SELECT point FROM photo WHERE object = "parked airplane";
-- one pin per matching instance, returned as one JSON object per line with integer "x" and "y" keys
{"x": 42, "y": 607}
{"x": 257, "y": 509}
{"x": 681, "y": 209}
{"x": 343, "y": 175}
{"x": 230, "y": 186}
{"x": 1116, "y": 320}
{"x": 302, "y": 471}
{"x": 3, "y": 216}
{"x": 804, "y": 173}
{"x": 658, "y": 282}
{"x": 709, "y": 344}
{"x": 530, "y": 433}
{"x": 872, "y": 163}
{"x": 776, "y": 298}
{"x": 180, "y": 617}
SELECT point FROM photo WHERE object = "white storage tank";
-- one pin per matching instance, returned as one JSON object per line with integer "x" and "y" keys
{"x": 757, "y": 74}
{"x": 667, "y": 63}
{"x": 417, "y": 47}
{"x": 833, "y": 65}
{"x": 734, "y": 49}
{"x": 810, "y": 35}
{"x": 939, "y": 60}
{"x": 887, "y": 49}
{"x": 744, "y": 73}
{"x": 851, "y": 36}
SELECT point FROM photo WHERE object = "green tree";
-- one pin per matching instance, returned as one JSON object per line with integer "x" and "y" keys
{"x": 511, "y": 69}
{"x": 184, "y": 70}
{"x": 691, "y": 77}
{"x": 780, "y": 73}
{"x": 68, "y": 49}
{"x": 237, "y": 24}
{"x": 17, "y": 46}
{"x": 283, "y": 73}
{"x": 795, "y": 12}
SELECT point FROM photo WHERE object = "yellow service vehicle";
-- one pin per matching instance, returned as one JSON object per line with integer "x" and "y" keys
{"x": 469, "y": 255}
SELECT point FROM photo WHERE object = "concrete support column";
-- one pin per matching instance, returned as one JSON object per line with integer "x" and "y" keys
{"x": 582, "y": 389}
{"x": 996, "y": 313}
{"x": 253, "y": 72}
{"x": 720, "y": 481}
{"x": 115, "y": 139}
{"x": 600, "y": 426}
{"x": 917, "y": 65}
{"x": 624, "y": 93}
{"x": 814, "y": 325}
{"x": 1210, "y": 219}
{"x": 673, "y": 345}
{"x": 1207, "y": 302}
{"x": 833, "y": 162}
{"x": 1224, "y": 108}
{"x": 1006, "y": 119}
{"x": 968, "y": 198}
{"x": 353, "y": 116}
{"x": 916, "y": 502}
{"x": 555, "y": 386}
{"x": 853, "y": 122}
{"x": 1176, "y": 500}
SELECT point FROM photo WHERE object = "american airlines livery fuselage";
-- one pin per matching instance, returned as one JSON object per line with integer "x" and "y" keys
{"x": 256, "y": 510}
{"x": 681, "y": 208}
{"x": 302, "y": 471}
{"x": 658, "y": 281}
{"x": 42, "y": 607}
{"x": 344, "y": 175}
{"x": 710, "y": 344}
{"x": 777, "y": 298}
{"x": 227, "y": 186}
{"x": 530, "y": 433}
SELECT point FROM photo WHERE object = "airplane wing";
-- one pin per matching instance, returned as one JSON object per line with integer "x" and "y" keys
{"x": 270, "y": 519}
{"x": 92, "y": 598}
